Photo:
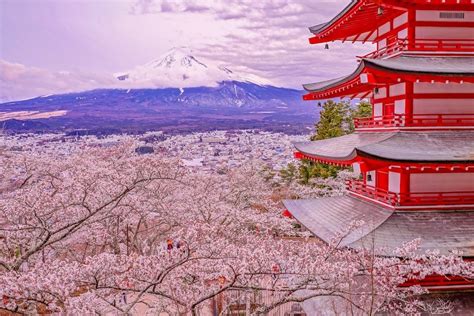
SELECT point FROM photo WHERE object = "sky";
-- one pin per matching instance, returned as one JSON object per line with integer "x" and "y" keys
{"x": 53, "y": 46}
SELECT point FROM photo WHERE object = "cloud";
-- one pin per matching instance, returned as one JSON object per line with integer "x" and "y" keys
{"x": 266, "y": 38}
{"x": 269, "y": 37}
{"x": 18, "y": 81}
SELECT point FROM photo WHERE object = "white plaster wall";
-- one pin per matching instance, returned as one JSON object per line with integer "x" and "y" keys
{"x": 394, "y": 182}
{"x": 356, "y": 168}
{"x": 378, "y": 109}
{"x": 382, "y": 43}
{"x": 403, "y": 34}
{"x": 401, "y": 19}
{"x": 427, "y": 32}
{"x": 400, "y": 107}
{"x": 384, "y": 28}
{"x": 397, "y": 89}
{"x": 443, "y": 106}
{"x": 381, "y": 94}
{"x": 426, "y": 87}
{"x": 441, "y": 182}
{"x": 373, "y": 181}
{"x": 430, "y": 15}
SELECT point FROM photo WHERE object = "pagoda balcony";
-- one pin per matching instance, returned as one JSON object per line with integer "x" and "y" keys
{"x": 416, "y": 120}
{"x": 412, "y": 199}
{"x": 423, "y": 45}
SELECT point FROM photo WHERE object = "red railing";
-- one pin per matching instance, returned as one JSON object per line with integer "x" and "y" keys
{"x": 445, "y": 45}
{"x": 390, "y": 49}
{"x": 410, "y": 199}
{"x": 361, "y": 188}
{"x": 436, "y": 280}
{"x": 456, "y": 45}
{"x": 436, "y": 198}
{"x": 417, "y": 120}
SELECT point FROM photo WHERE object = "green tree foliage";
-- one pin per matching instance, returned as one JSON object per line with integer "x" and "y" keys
{"x": 289, "y": 174}
{"x": 363, "y": 109}
{"x": 309, "y": 170}
{"x": 336, "y": 119}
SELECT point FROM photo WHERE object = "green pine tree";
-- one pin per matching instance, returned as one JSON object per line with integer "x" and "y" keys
{"x": 289, "y": 174}
{"x": 363, "y": 109}
{"x": 336, "y": 119}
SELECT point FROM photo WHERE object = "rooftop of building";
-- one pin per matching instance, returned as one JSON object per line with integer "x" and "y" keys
{"x": 384, "y": 229}
{"x": 360, "y": 18}
{"x": 429, "y": 146}
{"x": 405, "y": 63}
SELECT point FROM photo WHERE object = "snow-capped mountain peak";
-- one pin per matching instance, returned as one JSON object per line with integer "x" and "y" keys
{"x": 176, "y": 57}
{"x": 179, "y": 68}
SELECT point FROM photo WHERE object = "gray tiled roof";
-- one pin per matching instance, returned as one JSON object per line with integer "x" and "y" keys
{"x": 424, "y": 64}
{"x": 385, "y": 229}
{"x": 341, "y": 148}
{"x": 439, "y": 230}
{"x": 435, "y": 146}
{"x": 322, "y": 85}
{"x": 326, "y": 217}
{"x": 405, "y": 63}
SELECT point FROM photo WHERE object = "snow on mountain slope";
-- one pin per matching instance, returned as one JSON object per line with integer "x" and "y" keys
{"x": 178, "y": 68}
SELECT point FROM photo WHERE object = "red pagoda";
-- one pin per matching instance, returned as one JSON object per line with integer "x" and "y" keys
{"x": 414, "y": 156}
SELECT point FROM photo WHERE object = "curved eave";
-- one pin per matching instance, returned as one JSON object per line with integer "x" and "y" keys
{"x": 333, "y": 83}
{"x": 403, "y": 67}
{"x": 358, "y": 20}
{"x": 444, "y": 148}
{"x": 420, "y": 65}
{"x": 350, "y": 85}
{"x": 394, "y": 160}
{"x": 339, "y": 150}
{"x": 320, "y": 28}
{"x": 336, "y": 161}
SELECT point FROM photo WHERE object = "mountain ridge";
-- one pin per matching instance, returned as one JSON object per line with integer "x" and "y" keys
{"x": 176, "y": 92}
{"x": 230, "y": 105}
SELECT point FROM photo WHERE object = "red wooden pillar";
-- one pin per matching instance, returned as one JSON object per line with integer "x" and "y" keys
{"x": 411, "y": 28}
{"x": 409, "y": 89}
{"x": 404, "y": 186}
{"x": 381, "y": 179}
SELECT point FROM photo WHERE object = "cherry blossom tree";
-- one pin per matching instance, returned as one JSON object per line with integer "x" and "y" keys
{"x": 108, "y": 231}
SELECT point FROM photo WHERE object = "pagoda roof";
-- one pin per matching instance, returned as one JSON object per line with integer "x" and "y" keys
{"x": 425, "y": 64}
{"x": 326, "y": 217}
{"x": 407, "y": 66}
{"x": 384, "y": 228}
{"x": 359, "y": 20}
{"x": 429, "y": 146}
{"x": 442, "y": 230}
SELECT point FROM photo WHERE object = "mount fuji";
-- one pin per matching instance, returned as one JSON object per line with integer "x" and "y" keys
{"x": 178, "y": 68}
{"x": 176, "y": 93}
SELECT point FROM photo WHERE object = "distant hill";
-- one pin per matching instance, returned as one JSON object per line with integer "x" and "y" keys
{"x": 231, "y": 105}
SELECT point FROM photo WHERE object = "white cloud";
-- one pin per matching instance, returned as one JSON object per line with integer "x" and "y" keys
{"x": 18, "y": 81}
{"x": 270, "y": 38}
{"x": 267, "y": 38}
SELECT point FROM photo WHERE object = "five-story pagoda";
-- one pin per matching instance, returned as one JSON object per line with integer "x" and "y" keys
{"x": 415, "y": 154}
